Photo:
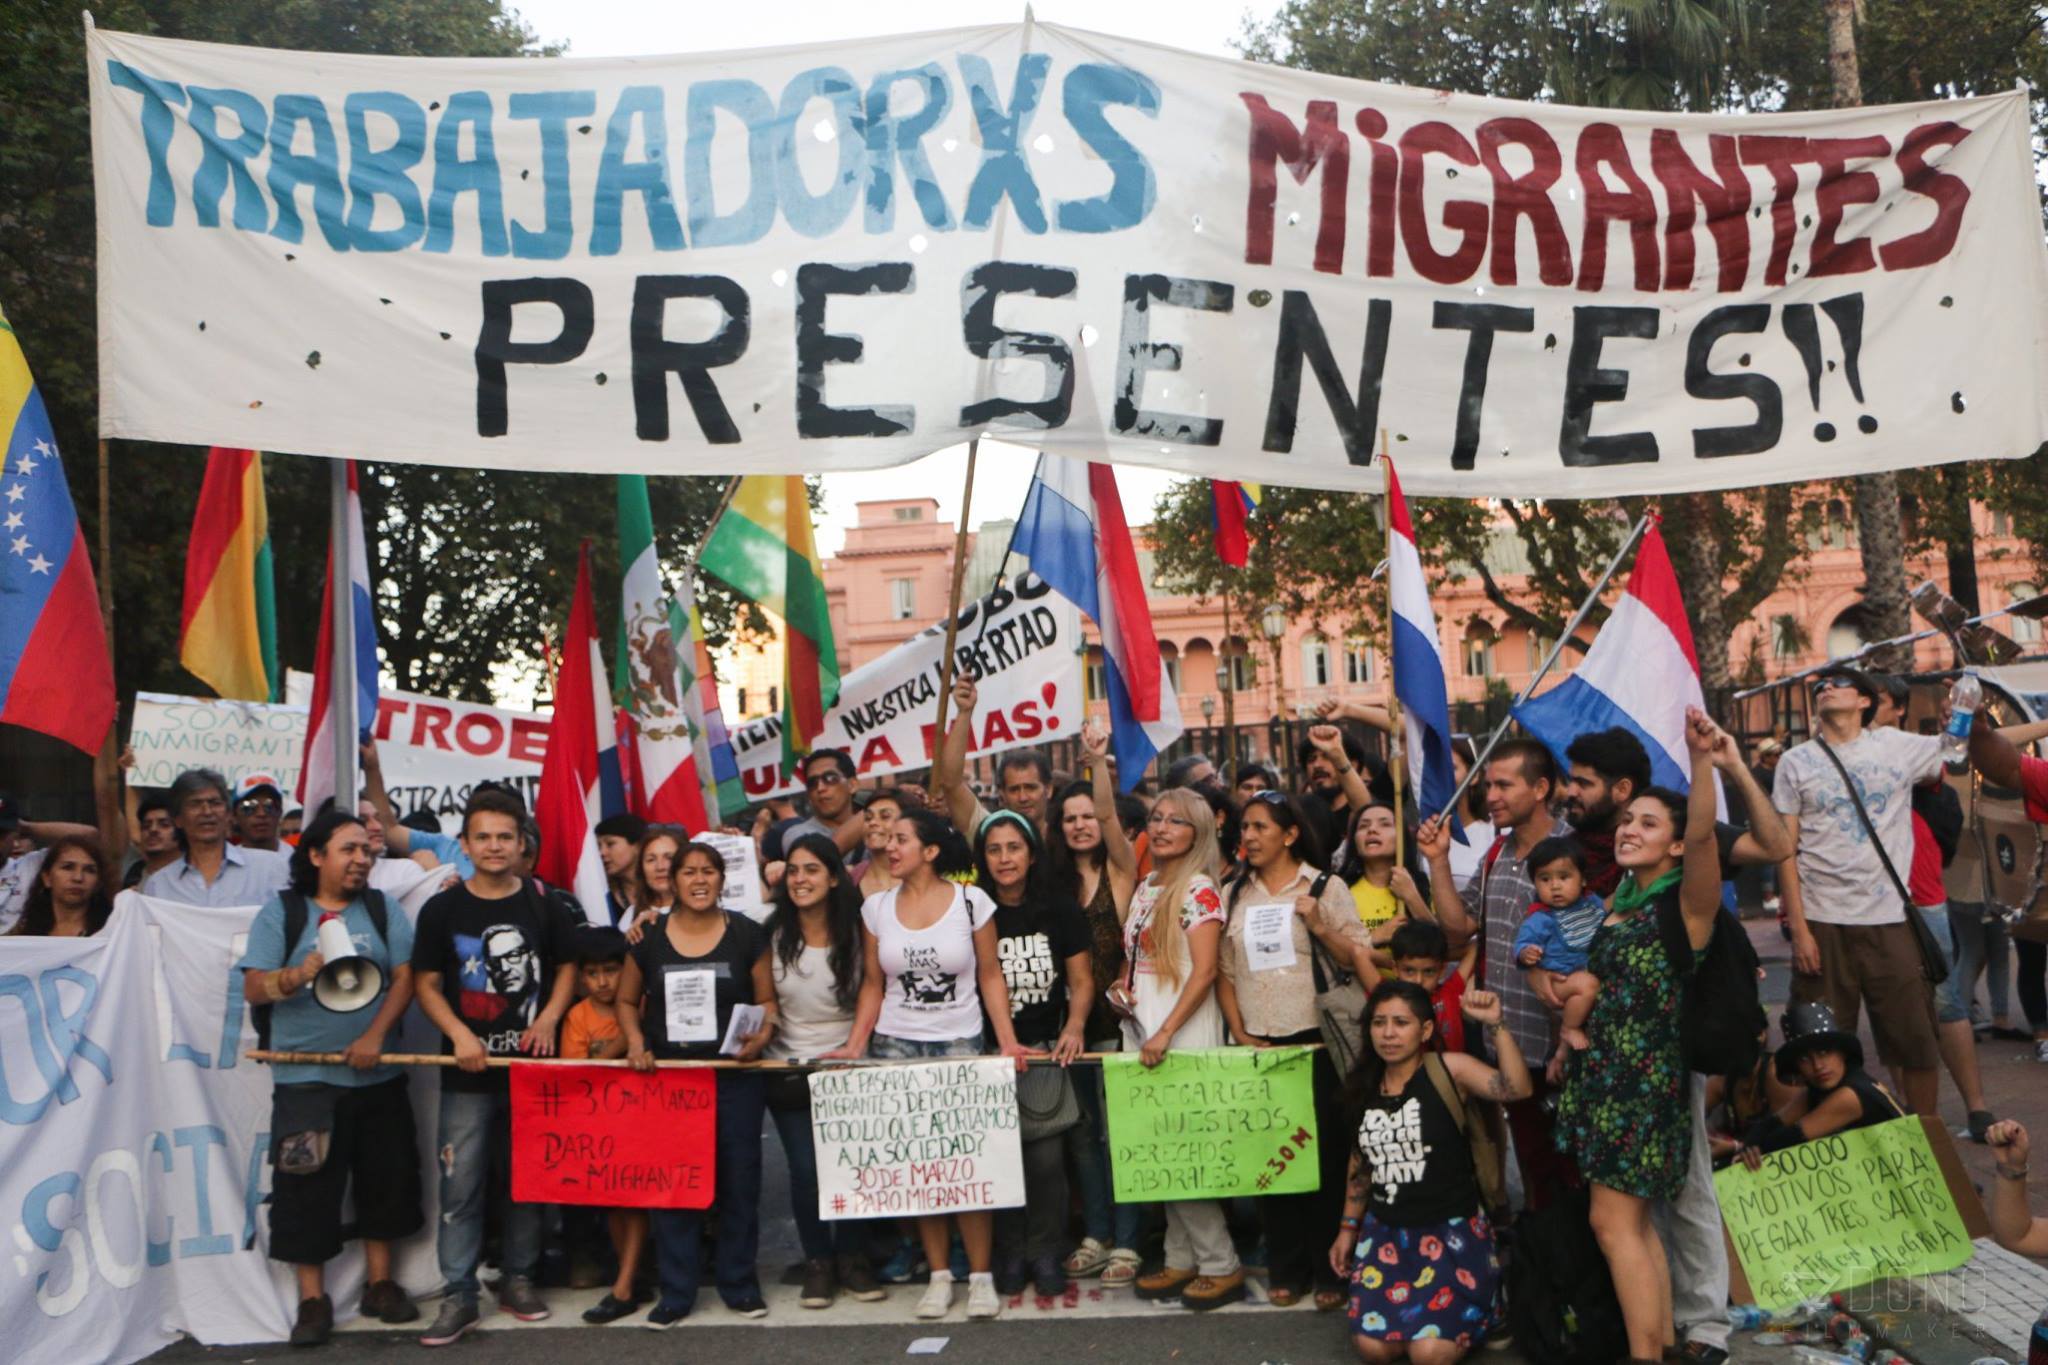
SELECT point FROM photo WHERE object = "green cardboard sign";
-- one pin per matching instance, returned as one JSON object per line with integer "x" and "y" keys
{"x": 1211, "y": 1124}
{"x": 1842, "y": 1211}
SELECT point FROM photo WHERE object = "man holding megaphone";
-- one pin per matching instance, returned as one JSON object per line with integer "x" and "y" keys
{"x": 328, "y": 970}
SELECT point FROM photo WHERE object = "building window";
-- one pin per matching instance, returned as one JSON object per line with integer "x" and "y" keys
{"x": 1098, "y": 682}
{"x": 1315, "y": 662}
{"x": 909, "y": 514}
{"x": 1172, "y": 662}
{"x": 1478, "y": 650}
{"x": 903, "y": 595}
{"x": 1357, "y": 662}
{"x": 2025, "y": 630}
{"x": 1540, "y": 645}
{"x": 2001, "y": 523}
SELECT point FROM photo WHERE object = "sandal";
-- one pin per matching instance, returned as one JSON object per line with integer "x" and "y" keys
{"x": 1280, "y": 1296}
{"x": 1087, "y": 1259}
{"x": 1330, "y": 1300}
{"x": 1121, "y": 1270}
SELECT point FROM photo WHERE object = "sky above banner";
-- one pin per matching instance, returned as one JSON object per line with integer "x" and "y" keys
{"x": 846, "y": 255}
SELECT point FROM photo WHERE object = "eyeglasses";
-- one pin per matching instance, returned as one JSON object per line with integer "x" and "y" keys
{"x": 256, "y": 803}
{"x": 1160, "y": 817}
{"x": 829, "y": 778}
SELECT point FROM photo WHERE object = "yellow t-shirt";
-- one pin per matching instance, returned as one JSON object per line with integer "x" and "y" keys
{"x": 1376, "y": 904}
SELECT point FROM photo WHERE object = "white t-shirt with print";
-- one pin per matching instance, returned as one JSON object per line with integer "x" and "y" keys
{"x": 930, "y": 993}
{"x": 1841, "y": 878}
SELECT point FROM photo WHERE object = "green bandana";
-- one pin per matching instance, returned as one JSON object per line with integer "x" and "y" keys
{"x": 1630, "y": 896}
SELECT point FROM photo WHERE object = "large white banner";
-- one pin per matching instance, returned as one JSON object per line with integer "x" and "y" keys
{"x": 433, "y": 751}
{"x": 1022, "y": 644}
{"x": 846, "y": 255}
{"x": 134, "y": 1149}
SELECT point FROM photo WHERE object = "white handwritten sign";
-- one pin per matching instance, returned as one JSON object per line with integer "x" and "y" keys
{"x": 923, "y": 1137}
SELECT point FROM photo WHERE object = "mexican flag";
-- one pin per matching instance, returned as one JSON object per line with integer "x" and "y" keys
{"x": 656, "y": 675}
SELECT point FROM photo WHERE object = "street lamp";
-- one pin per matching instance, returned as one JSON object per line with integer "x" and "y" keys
{"x": 1208, "y": 709}
{"x": 1273, "y": 625}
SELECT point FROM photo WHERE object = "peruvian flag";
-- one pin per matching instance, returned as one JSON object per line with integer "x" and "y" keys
{"x": 572, "y": 780}
{"x": 316, "y": 774}
{"x": 654, "y": 680}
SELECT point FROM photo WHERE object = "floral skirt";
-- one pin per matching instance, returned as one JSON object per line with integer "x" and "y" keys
{"x": 1425, "y": 1283}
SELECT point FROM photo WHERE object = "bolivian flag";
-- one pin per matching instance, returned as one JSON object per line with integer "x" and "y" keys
{"x": 229, "y": 635}
{"x": 763, "y": 549}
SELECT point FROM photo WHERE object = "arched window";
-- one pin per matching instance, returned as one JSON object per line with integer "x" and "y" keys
{"x": 2025, "y": 630}
{"x": 1479, "y": 643}
{"x": 1848, "y": 634}
{"x": 1358, "y": 662}
{"x": 1315, "y": 661}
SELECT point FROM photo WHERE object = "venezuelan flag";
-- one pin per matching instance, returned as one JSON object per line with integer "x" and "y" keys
{"x": 228, "y": 639}
{"x": 55, "y": 674}
{"x": 1230, "y": 503}
{"x": 762, "y": 547}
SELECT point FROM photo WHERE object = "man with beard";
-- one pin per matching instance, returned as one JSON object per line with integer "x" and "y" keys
{"x": 1326, "y": 803}
{"x": 156, "y": 838}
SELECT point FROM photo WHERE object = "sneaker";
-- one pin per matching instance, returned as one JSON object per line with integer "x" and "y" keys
{"x": 821, "y": 1284}
{"x": 982, "y": 1299}
{"x": 1048, "y": 1276}
{"x": 456, "y": 1320}
{"x": 2041, "y": 1050}
{"x": 610, "y": 1308}
{"x": 1010, "y": 1276}
{"x": 1212, "y": 1291}
{"x": 386, "y": 1302}
{"x": 316, "y": 1322}
{"x": 518, "y": 1297}
{"x": 938, "y": 1296}
{"x": 1164, "y": 1283}
{"x": 1087, "y": 1259}
{"x": 857, "y": 1278}
{"x": 905, "y": 1267}
{"x": 661, "y": 1317}
{"x": 749, "y": 1304}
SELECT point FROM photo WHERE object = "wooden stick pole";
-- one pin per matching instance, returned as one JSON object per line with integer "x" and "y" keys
{"x": 953, "y": 604}
{"x": 1399, "y": 776}
{"x": 106, "y": 555}
{"x": 732, "y": 487}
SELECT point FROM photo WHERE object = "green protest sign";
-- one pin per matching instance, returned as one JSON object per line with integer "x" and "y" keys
{"x": 1211, "y": 1124}
{"x": 1842, "y": 1211}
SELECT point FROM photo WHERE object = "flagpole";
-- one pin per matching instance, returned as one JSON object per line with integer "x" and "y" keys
{"x": 1399, "y": 778}
{"x": 953, "y": 607}
{"x": 106, "y": 557}
{"x": 732, "y": 488}
{"x": 341, "y": 697}
{"x": 1571, "y": 628}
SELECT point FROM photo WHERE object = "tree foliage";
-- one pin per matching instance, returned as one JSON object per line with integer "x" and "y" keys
{"x": 473, "y": 566}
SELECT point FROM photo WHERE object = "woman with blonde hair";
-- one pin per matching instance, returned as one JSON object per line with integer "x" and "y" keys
{"x": 1167, "y": 995}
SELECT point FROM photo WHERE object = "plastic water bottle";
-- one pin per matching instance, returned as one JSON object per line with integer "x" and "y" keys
{"x": 1747, "y": 1317}
{"x": 1811, "y": 1355}
{"x": 1963, "y": 699}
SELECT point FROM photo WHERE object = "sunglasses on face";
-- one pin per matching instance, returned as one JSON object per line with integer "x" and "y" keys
{"x": 831, "y": 777}
{"x": 1266, "y": 796}
{"x": 253, "y": 804}
{"x": 1827, "y": 684}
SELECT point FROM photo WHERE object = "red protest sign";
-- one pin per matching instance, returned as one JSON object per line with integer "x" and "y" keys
{"x": 605, "y": 1135}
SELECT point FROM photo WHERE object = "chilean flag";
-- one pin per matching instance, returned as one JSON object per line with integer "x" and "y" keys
{"x": 1072, "y": 529}
{"x": 572, "y": 777}
{"x": 1418, "y": 664}
{"x": 1640, "y": 674}
{"x": 316, "y": 774}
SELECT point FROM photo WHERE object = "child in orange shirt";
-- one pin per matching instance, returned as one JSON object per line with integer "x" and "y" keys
{"x": 591, "y": 1031}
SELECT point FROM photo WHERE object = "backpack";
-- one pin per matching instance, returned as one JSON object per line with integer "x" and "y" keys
{"x": 296, "y": 912}
{"x": 1561, "y": 1304}
{"x": 1941, "y": 810}
{"x": 1471, "y": 1121}
{"x": 1720, "y": 1013}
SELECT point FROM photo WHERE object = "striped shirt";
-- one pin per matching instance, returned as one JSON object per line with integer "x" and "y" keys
{"x": 1501, "y": 895}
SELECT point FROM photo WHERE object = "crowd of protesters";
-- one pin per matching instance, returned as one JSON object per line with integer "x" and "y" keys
{"x": 1520, "y": 1025}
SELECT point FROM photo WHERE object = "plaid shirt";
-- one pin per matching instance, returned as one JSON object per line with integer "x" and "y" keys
{"x": 1502, "y": 894}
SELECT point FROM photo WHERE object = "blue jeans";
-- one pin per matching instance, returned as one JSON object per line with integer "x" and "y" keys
{"x": 1949, "y": 1005}
{"x": 821, "y": 1240}
{"x": 736, "y": 1199}
{"x": 1983, "y": 944}
{"x": 1087, "y": 1142}
{"x": 888, "y": 1047}
{"x": 472, "y": 1125}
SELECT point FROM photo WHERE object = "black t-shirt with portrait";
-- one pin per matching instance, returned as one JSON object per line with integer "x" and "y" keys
{"x": 497, "y": 961}
{"x": 665, "y": 972}
{"x": 1033, "y": 943}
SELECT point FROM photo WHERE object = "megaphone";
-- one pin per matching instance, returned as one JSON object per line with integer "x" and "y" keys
{"x": 348, "y": 982}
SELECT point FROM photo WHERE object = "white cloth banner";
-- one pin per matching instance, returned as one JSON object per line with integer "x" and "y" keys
{"x": 433, "y": 751}
{"x": 923, "y": 1137}
{"x": 846, "y": 255}
{"x": 134, "y": 1151}
{"x": 1024, "y": 646}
